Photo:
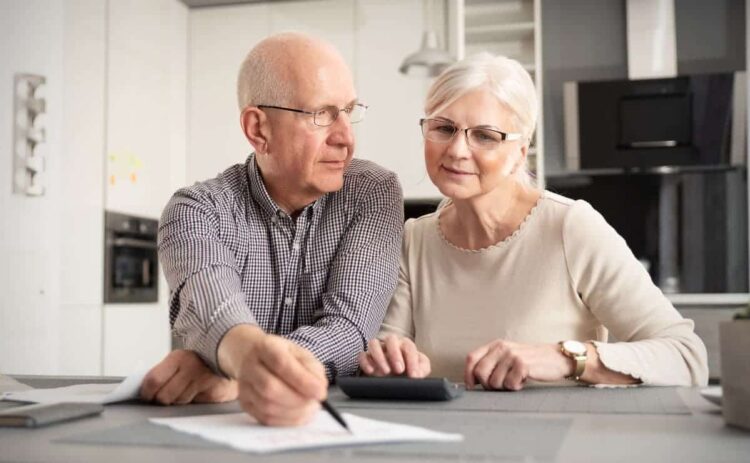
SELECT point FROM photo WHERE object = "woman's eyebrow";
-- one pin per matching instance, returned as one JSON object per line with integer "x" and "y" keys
{"x": 486, "y": 126}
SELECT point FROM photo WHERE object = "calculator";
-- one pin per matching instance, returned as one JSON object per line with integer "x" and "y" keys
{"x": 399, "y": 388}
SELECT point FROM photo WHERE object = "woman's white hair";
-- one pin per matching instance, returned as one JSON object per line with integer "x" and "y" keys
{"x": 503, "y": 77}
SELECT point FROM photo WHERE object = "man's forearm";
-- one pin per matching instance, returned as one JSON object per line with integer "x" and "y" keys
{"x": 335, "y": 344}
{"x": 207, "y": 307}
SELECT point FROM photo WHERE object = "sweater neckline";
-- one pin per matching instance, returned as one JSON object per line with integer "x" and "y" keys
{"x": 500, "y": 244}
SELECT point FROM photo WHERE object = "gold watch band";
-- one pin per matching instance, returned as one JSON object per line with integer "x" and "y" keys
{"x": 580, "y": 367}
{"x": 578, "y": 353}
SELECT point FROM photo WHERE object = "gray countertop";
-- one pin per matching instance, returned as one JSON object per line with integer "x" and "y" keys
{"x": 696, "y": 432}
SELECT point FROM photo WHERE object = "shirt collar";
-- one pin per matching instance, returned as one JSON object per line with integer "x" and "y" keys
{"x": 260, "y": 194}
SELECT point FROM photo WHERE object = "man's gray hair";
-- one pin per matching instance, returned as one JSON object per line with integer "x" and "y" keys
{"x": 260, "y": 80}
{"x": 503, "y": 77}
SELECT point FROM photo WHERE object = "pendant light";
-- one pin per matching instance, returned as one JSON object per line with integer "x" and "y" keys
{"x": 430, "y": 60}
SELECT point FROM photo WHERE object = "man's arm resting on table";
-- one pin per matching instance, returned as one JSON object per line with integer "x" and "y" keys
{"x": 360, "y": 282}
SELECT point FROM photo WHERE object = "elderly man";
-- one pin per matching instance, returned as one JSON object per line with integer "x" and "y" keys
{"x": 281, "y": 268}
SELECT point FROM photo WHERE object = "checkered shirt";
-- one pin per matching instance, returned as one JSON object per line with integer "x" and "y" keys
{"x": 232, "y": 256}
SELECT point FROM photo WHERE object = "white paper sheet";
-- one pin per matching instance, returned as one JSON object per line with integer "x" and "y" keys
{"x": 242, "y": 432}
{"x": 89, "y": 393}
{"x": 8, "y": 384}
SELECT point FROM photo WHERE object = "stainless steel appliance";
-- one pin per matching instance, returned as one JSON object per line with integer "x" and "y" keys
{"x": 683, "y": 139}
{"x": 131, "y": 268}
{"x": 696, "y": 120}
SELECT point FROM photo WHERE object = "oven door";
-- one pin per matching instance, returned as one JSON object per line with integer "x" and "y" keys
{"x": 131, "y": 271}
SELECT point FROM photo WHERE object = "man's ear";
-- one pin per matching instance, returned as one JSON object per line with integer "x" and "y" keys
{"x": 256, "y": 128}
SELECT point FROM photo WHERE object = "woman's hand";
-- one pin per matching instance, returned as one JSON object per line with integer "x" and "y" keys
{"x": 394, "y": 355}
{"x": 507, "y": 365}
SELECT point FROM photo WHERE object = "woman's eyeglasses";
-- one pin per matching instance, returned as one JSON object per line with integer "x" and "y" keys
{"x": 483, "y": 138}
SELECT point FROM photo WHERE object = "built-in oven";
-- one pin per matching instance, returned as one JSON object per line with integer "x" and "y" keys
{"x": 696, "y": 121}
{"x": 131, "y": 268}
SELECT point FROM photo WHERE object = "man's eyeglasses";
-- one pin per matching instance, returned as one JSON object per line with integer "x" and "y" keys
{"x": 442, "y": 131}
{"x": 328, "y": 114}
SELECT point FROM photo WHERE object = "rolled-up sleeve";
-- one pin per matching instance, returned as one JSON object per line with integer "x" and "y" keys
{"x": 361, "y": 281}
{"x": 206, "y": 298}
{"x": 657, "y": 345}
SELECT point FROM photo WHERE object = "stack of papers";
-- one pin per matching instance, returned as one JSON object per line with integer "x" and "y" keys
{"x": 240, "y": 431}
{"x": 89, "y": 393}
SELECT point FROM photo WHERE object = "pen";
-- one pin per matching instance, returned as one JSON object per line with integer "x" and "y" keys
{"x": 335, "y": 414}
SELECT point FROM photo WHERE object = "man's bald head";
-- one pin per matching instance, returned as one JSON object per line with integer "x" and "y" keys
{"x": 280, "y": 66}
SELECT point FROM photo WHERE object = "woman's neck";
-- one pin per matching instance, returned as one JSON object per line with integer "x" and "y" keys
{"x": 485, "y": 220}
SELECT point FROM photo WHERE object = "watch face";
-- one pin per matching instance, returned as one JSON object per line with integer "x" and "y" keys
{"x": 575, "y": 347}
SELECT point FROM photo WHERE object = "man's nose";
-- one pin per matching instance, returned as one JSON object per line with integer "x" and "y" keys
{"x": 342, "y": 132}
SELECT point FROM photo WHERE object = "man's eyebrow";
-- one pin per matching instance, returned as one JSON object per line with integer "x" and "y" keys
{"x": 445, "y": 119}
{"x": 330, "y": 105}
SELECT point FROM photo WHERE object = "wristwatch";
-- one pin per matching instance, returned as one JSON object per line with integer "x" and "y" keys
{"x": 577, "y": 351}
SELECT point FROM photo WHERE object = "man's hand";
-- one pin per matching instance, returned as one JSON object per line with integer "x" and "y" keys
{"x": 280, "y": 383}
{"x": 504, "y": 364}
{"x": 394, "y": 355}
{"x": 181, "y": 378}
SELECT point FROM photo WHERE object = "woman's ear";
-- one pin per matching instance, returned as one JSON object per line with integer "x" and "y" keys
{"x": 521, "y": 160}
{"x": 256, "y": 128}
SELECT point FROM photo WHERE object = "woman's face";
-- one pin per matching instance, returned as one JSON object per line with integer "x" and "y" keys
{"x": 461, "y": 171}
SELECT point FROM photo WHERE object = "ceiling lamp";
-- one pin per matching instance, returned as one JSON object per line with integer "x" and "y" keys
{"x": 429, "y": 61}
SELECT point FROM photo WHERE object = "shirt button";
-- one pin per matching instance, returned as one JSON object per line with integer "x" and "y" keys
{"x": 295, "y": 246}
{"x": 288, "y": 301}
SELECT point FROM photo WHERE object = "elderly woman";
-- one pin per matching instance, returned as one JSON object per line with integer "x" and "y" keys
{"x": 506, "y": 283}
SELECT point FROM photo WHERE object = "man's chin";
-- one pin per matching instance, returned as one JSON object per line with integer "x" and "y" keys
{"x": 331, "y": 184}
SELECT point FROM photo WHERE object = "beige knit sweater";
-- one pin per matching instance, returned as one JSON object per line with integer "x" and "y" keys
{"x": 564, "y": 274}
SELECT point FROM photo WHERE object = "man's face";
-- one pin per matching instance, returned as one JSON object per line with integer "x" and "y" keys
{"x": 305, "y": 160}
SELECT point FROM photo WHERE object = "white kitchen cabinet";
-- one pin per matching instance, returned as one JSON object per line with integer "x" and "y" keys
{"x": 145, "y": 153}
{"x": 146, "y": 100}
{"x": 219, "y": 40}
{"x": 50, "y": 245}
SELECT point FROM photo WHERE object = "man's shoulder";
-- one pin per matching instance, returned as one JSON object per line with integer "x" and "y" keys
{"x": 226, "y": 186}
{"x": 367, "y": 183}
{"x": 362, "y": 170}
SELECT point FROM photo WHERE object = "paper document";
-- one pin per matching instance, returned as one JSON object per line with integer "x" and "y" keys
{"x": 242, "y": 432}
{"x": 89, "y": 393}
{"x": 8, "y": 384}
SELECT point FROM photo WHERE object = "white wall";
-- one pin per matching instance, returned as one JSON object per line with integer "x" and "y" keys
{"x": 50, "y": 256}
{"x": 373, "y": 35}
{"x": 386, "y": 33}
{"x": 145, "y": 153}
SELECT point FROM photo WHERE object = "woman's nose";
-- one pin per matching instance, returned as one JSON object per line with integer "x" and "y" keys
{"x": 458, "y": 146}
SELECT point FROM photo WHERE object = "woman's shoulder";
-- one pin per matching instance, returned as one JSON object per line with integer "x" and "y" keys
{"x": 417, "y": 228}
{"x": 573, "y": 214}
{"x": 584, "y": 231}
